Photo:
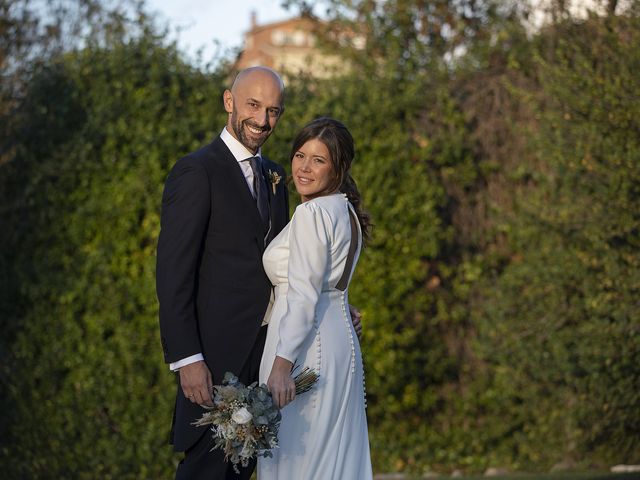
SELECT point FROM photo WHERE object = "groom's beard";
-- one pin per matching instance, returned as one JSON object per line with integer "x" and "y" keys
{"x": 250, "y": 140}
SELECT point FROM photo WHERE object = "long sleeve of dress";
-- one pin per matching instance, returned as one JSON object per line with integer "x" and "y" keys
{"x": 310, "y": 244}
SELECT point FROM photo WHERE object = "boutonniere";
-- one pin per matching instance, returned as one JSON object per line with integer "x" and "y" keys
{"x": 275, "y": 180}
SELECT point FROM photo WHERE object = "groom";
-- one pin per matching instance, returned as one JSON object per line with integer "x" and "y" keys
{"x": 221, "y": 206}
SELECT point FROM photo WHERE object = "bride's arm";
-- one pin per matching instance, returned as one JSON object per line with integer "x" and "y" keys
{"x": 309, "y": 249}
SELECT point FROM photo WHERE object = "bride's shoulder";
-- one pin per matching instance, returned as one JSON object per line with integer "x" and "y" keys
{"x": 328, "y": 203}
{"x": 326, "y": 209}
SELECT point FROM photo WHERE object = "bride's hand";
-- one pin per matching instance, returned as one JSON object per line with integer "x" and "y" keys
{"x": 280, "y": 383}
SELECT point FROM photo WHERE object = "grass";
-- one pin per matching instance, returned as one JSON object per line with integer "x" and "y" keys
{"x": 556, "y": 476}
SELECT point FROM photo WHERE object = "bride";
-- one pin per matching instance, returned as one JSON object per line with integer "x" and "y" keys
{"x": 323, "y": 434}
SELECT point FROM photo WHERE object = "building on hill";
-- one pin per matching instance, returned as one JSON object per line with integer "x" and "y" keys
{"x": 287, "y": 46}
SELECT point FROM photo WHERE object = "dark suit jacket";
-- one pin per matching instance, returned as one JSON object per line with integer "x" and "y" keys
{"x": 211, "y": 285}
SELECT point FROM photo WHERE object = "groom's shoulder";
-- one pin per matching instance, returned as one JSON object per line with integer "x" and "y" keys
{"x": 205, "y": 156}
{"x": 215, "y": 149}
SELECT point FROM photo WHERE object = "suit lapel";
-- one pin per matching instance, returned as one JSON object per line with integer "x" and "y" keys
{"x": 275, "y": 204}
{"x": 270, "y": 196}
{"x": 235, "y": 175}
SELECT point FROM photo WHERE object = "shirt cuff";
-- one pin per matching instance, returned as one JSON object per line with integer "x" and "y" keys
{"x": 185, "y": 361}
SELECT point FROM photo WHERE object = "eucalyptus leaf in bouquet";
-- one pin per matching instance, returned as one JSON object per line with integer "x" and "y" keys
{"x": 244, "y": 419}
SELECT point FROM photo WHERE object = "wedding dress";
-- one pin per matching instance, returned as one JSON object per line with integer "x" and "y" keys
{"x": 323, "y": 434}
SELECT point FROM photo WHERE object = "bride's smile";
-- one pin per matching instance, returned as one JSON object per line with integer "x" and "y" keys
{"x": 312, "y": 169}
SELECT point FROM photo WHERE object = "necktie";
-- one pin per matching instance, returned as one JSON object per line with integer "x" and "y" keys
{"x": 260, "y": 190}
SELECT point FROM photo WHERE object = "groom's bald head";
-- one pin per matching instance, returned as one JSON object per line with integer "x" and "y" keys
{"x": 259, "y": 76}
{"x": 254, "y": 103}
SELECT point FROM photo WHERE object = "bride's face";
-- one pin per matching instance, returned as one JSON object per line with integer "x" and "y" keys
{"x": 312, "y": 170}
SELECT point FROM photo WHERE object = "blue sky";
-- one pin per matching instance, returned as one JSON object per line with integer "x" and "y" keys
{"x": 197, "y": 23}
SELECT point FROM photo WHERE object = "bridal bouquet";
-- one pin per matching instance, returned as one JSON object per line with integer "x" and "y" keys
{"x": 244, "y": 419}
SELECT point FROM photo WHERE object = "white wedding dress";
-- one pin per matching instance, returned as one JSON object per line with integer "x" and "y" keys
{"x": 323, "y": 434}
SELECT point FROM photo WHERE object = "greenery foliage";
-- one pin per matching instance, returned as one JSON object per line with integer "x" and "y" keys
{"x": 501, "y": 167}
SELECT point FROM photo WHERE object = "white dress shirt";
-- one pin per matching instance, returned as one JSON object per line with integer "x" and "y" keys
{"x": 240, "y": 153}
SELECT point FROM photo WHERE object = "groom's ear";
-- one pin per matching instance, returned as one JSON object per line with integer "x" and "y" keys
{"x": 227, "y": 99}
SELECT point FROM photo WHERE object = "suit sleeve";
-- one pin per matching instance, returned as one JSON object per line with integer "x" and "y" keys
{"x": 185, "y": 215}
{"x": 309, "y": 254}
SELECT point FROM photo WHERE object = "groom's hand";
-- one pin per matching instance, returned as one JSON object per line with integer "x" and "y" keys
{"x": 196, "y": 383}
{"x": 280, "y": 384}
{"x": 356, "y": 319}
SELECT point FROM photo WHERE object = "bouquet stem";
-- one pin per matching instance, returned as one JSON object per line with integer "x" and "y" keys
{"x": 305, "y": 380}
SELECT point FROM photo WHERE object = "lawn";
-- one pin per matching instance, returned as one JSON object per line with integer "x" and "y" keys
{"x": 554, "y": 476}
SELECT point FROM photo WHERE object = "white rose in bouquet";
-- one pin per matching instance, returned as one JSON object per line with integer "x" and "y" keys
{"x": 241, "y": 416}
{"x": 236, "y": 405}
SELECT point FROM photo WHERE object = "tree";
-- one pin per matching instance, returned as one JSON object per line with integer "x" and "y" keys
{"x": 85, "y": 391}
{"x": 414, "y": 150}
{"x": 560, "y": 321}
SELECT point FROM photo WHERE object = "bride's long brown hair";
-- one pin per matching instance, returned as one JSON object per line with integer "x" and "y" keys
{"x": 339, "y": 142}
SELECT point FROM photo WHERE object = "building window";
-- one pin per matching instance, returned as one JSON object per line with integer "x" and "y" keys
{"x": 278, "y": 37}
{"x": 299, "y": 38}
